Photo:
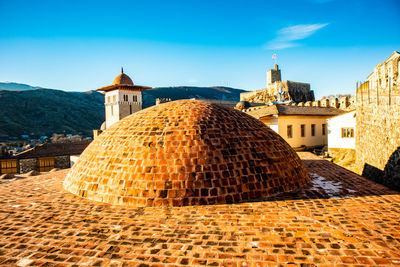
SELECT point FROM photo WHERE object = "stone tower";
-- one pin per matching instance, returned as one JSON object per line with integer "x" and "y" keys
{"x": 121, "y": 99}
{"x": 273, "y": 75}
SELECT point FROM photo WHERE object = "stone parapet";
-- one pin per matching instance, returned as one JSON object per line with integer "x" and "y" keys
{"x": 27, "y": 165}
{"x": 378, "y": 138}
{"x": 62, "y": 162}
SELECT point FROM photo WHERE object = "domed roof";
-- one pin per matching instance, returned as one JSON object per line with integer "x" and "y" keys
{"x": 185, "y": 152}
{"x": 122, "y": 79}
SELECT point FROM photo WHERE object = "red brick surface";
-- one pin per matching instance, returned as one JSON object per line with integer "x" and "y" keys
{"x": 338, "y": 218}
{"x": 186, "y": 152}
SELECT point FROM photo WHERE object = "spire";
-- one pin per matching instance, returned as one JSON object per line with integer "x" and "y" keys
{"x": 122, "y": 69}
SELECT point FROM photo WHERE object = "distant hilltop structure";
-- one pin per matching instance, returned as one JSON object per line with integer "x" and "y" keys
{"x": 121, "y": 99}
{"x": 278, "y": 90}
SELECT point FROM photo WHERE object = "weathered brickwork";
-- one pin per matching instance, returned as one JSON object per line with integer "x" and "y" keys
{"x": 378, "y": 123}
{"x": 186, "y": 152}
{"x": 338, "y": 219}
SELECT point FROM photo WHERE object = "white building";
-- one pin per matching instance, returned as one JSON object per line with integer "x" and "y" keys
{"x": 121, "y": 99}
{"x": 342, "y": 131}
{"x": 302, "y": 127}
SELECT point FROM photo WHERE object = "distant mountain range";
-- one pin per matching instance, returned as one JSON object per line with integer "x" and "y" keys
{"x": 26, "y": 109}
{"x": 17, "y": 86}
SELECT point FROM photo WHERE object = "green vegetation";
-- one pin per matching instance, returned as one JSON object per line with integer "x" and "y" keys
{"x": 38, "y": 112}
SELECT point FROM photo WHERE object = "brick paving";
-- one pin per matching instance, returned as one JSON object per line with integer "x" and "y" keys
{"x": 186, "y": 152}
{"x": 338, "y": 219}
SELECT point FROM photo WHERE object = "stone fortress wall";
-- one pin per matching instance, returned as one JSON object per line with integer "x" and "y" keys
{"x": 345, "y": 103}
{"x": 378, "y": 124}
{"x": 294, "y": 91}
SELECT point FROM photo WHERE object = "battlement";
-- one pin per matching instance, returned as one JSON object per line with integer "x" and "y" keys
{"x": 378, "y": 123}
{"x": 344, "y": 103}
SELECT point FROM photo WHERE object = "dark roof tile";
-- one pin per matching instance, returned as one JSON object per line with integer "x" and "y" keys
{"x": 54, "y": 149}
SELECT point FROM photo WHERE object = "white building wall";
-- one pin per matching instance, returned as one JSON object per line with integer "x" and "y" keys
{"x": 111, "y": 105}
{"x": 335, "y": 126}
{"x": 117, "y": 108}
{"x": 308, "y": 140}
{"x": 279, "y": 125}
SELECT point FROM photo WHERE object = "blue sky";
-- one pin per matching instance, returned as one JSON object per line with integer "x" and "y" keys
{"x": 81, "y": 45}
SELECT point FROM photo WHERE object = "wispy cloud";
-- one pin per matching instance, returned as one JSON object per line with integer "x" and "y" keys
{"x": 287, "y": 36}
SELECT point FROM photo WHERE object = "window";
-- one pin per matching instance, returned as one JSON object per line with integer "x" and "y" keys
{"x": 114, "y": 98}
{"x": 130, "y": 109}
{"x": 289, "y": 131}
{"x": 45, "y": 164}
{"x": 323, "y": 129}
{"x": 312, "y": 129}
{"x": 108, "y": 99}
{"x": 347, "y": 132}
{"x": 303, "y": 130}
{"x": 134, "y": 98}
{"x": 8, "y": 166}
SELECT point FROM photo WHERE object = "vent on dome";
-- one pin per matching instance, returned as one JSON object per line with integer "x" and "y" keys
{"x": 186, "y": 152}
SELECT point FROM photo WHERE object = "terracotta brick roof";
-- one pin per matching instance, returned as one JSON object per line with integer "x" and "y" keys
{"x": 280, "y": 109}
{"x": 186, "y": 152}
{"x": 339, "y": 219}
{"x": 123, "y": 79}
{"x": 123, "y": 87}
{"x": 123, "y": 82}
{"x": 54, "y": 149}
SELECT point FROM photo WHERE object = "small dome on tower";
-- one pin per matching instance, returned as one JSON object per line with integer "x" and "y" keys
{"x": 122, "y": 79}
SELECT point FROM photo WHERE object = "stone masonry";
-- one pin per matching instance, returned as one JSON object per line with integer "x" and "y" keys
{"x": 27, "y": 165}
{"x": 62, "y": 162}
{"x": 295, "y": 91}
{"x": 378, "y": 123}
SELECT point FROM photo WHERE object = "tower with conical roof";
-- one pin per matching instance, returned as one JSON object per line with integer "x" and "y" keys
{"x": 121, "y": 99}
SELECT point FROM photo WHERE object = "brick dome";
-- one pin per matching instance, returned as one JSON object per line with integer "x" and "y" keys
{"x": 122, "y": 79}
{"x": 186, "y": 152}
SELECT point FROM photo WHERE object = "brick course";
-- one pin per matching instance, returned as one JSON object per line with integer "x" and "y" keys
{"x": 338, "y": 218}
{"x": 186, "y": 152}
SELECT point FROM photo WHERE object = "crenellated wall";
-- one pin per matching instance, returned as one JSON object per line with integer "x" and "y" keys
{"x": 278, "y": 90}
{"x": 378, "y": 124}
{"x": 345, "y": 103}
